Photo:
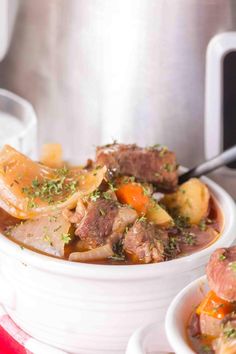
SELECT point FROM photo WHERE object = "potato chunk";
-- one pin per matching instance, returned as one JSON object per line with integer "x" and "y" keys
{"x": 158, "y": 215}
{"x": 191, "y": 200}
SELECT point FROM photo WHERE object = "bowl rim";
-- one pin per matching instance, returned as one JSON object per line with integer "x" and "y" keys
{"x": 177, "y": 342}
{"x": 127, "y": 272}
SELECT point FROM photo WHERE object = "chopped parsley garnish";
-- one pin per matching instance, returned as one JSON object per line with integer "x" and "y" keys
{"x": 118, "y": 251}
{"x": 163, "y": 151}
{"x": 172, "y": 245}
{"x": 233, "y": 266}
{"x": 222, "y": 257}
{"x": 142, "y": 218}
{"x": 189, "y": 238}
{"x": 206, "y": 348}
{"x": 155, "y": 147}
{"x": 47, "y": 239}
{"x": 202, "y": 225}
{"x": 112, "y": 187}
{"x": 229, "y": 332}
{"x": 62, "y": 171}
{"x": 107, "y": 195}
{"x": 161, "y": 148}
{"x": 130, "y": 179}
{"x": 181, "y": 221}
{"x": 95, "y": 195}
{"x": 48, "y": 189}
{"x": 66, "y": 238}
{"x": 169, "y": 167}
{"x": 146, "y": 190}
{"x": 216, "y": 308}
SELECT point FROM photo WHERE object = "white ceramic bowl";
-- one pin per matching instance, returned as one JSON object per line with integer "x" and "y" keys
{"x": 179, "y": 312}
{"x": 24, "y": 135}
{"x": 147, "y": 339}
{"x": 85, "y": 308}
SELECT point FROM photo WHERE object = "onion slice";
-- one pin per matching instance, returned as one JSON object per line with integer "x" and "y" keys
{"x": 95, "y": 254}
{"x": 24, "y": 185}
{"x": 48, "y": 234}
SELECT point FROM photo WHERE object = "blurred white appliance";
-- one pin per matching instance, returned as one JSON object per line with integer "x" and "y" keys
{"x": 8, "y": 11}
{"x": 130, "y": 70}
{"x": 220, "y": 104}
{"x": 18, "y": 124}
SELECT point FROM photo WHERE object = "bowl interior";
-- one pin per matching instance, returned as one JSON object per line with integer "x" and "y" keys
{"x": 179, "y": 313}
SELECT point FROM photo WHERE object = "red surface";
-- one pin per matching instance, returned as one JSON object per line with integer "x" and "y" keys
{"x": 9, "y": 345}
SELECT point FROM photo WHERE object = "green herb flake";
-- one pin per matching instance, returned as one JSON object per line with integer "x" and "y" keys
{"x": 112, "y": 187}
{"x": 222, "y": 257}
{"x": 202, "y": 225}
{"x": 62, "y": 171}
{"x": 107, "y": 195}
{"x": 233, "y": 266}
{"x": 118, "y": 251}
{"x": 169, "y": 167}
{"x": 142, "y": 219}
{"x": 181, "y": 222}
{"x": 229, "y": 332}
{"x": 216, "y": 308}
{"x": 66, "y": 238}
{"x": 146, "y": 190}
{"x": 206, "y": 348}
{"x": 189, "y": 238}
{"x": 95, "y": 195}
{"x": 163, "y": 151}
{"x": 47, "y": 238}
{"x": 172, "y": 245}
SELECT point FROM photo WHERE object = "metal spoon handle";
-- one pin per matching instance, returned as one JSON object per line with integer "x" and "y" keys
{"x": 208, "y": 166}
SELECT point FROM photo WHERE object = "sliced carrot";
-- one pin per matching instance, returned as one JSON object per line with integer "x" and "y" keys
{"x": 214, "y": 306}
{"x": 133, "y": 195}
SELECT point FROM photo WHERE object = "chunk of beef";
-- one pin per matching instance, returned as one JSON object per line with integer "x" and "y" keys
{"x": 145, "y": 164}
{"x": 221, "y": 273}
{"x": 104, "y": 221}
{"x": 194, "y": 326}
{"x": 97, "y": 224}
{"x": 143, "y": 243}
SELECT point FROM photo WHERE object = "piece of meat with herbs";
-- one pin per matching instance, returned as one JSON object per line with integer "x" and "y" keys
{"x": 221, "y": 273}
{"x": 97, "y": 224}
{"x": 143, "y": 243}
{"x": 110, "y": 239}
{"x": 194, "y": 326}
{"x": 154, "y": 165}
{"x": 226, "y": 342}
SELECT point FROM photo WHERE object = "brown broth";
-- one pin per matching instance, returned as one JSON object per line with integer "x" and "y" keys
{"x": 215, "y": 214}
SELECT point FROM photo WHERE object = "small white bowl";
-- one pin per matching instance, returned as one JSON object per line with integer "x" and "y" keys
{"x": 147, "y": 340}
{"x": 87, "y": 308}
{"x": 24, "y": 135}
{"x": 179, "y": 312}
